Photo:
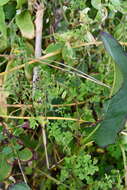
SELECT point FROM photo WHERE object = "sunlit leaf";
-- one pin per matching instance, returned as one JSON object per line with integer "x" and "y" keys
{"x": 3, "y": 27}
{"x": 25, "y": 24}
{"x": 3, "y": 2}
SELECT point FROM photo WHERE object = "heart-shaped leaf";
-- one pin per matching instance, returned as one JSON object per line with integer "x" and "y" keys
{"x": 115, "y": 117}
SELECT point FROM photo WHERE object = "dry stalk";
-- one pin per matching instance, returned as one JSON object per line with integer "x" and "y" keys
{"x": 39, "y": 7}
{"x": 43, "y": 118}
{"x": 38, "y": 49}
{"x": 45, "y": 144}
{"x": 97, "y": 43}
{"x": 30, "y": 105}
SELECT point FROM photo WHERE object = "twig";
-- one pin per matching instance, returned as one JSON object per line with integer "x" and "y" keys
{"x": 43, "y": 117}
{"x": 30, "y": 105}
{"x": 83, "y": 44}
{"x": 54, "y": 165}
{"x": 38, "y": 49}
{"x": 45, "y": 144}
{"x": 52, "y": 54}
{"x": 79, "y": 73}
{"x": 30, "y": 62}
{"x": 65, "y": 70}
{"x": 20, "y": 167}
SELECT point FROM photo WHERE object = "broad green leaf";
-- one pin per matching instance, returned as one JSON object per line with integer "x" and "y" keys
{"x": 54, "y": 47}
{"x": 115, "y": 116}
{"x": 20, "y": 186}
{"x": 25, "y": 154}
{"x": 25, "y": 24}
{"x": 7, "y": 150}
{"x": 5, "y": 168}
{"x": 3, "y": 2}
{"x": 3, "y": 30}
{"x": 68, "y": 54}
{"x": 20, "y": 3}
{"x": 3, "y": 27}
{"x": 10, "y": 10}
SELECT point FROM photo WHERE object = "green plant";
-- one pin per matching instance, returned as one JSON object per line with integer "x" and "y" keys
{"x": 46, "y": 135}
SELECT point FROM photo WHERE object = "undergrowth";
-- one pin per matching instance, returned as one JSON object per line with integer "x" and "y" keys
{"x": 75, "y": 161}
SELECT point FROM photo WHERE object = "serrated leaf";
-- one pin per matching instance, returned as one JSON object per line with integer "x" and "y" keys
{"x": 25, "y": 154}
{"x": 25, "y": 24}
{"x": 3, "y": 2}
{"x": 20, "y": 186}
{"x": 116, "y": 114}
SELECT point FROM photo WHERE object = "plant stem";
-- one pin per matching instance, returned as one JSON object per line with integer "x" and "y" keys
{"x": 43, "y": 117}
{"x": 38, "y": 40}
